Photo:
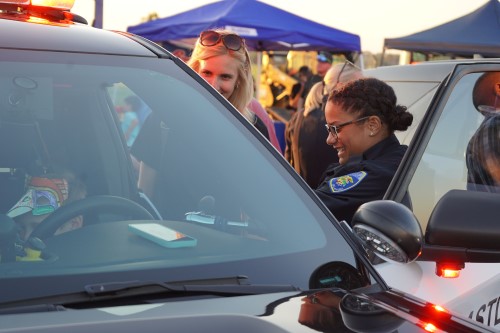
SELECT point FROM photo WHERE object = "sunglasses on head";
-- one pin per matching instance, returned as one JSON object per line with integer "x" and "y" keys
{"x": 231, "y": 41}
{"x": 345, "y": 67}
{"x": 347, "y": 64}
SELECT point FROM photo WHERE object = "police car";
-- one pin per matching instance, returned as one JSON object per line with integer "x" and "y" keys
{"x": 452, "y": 102}
{"x": 230, "y": 239}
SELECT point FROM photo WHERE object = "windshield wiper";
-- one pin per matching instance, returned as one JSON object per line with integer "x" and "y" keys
{"x": 136, "y": 291}
{"x": 238, "y": 285}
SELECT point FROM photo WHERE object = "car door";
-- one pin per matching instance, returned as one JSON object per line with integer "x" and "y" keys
{"x": 436, "y": 164}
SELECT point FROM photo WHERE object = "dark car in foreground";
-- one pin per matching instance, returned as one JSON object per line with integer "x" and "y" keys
{"x": 232, "y": 239}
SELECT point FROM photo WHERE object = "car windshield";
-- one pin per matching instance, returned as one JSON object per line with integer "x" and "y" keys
{"x": 98, "y": 123}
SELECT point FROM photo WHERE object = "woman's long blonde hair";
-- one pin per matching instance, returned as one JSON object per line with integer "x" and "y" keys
{"x": 244, "y": 89}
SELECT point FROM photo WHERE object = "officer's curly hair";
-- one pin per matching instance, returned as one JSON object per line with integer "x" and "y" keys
{"x": 372, "y": 97}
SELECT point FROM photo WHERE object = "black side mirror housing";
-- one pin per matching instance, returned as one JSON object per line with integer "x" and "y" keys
{"x": 389, "y": 229}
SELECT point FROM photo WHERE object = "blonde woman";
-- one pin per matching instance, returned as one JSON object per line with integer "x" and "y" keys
{"x": 222, "y": 59}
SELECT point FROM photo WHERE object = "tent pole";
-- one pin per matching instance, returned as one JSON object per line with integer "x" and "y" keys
{"x": 361, "y": 60}
{"x": 98, "y": 14}
{"x": 259, "y": 73}
{"x": 382, "y": 57}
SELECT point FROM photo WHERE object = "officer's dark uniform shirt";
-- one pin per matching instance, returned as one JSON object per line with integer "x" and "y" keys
{"x": 363, "y": 178}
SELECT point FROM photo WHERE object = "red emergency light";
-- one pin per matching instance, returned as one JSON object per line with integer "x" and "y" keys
{"x": 430, "y": 327}
{"x": 449, "y": 270}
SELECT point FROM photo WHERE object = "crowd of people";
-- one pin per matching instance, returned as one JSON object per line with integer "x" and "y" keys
{"x": 353, "y": 162}
{"x": 350, "y": 163}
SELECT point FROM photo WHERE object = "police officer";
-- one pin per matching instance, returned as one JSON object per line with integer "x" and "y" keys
{"x": 361, "y": 117}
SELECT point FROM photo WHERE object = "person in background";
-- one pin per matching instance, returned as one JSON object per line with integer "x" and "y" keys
{"x": 130, "y": 120}
{"x": 483, "y": 156}
{"x": 361, "y": 117}
{"x": 181, "y": 54}
{"x": 324, "y": 62}
{"x": 306, "y": 149}
{"x": 486, "y": 93}
{"x": 222, "y": 59}
{"x": 135, "y": 104}
{"x": 483, "y": 150}
{"x": 296, "y": 102}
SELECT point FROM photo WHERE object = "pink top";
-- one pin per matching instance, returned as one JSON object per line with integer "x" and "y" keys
{"x": 260, "y": 112}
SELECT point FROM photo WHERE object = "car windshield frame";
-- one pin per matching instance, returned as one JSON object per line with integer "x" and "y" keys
{"x": 279, "y": 192}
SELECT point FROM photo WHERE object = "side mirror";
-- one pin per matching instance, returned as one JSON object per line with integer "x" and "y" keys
{"x": 466, "y": 219}
{"x": 389, "y": 229}
{"x": 463, "y": 227}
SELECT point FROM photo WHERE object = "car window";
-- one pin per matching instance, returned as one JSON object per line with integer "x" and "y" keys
{"x": 130, "y": 108}
{"x": 219, "y": 181}
{"x": 443, "y": 164}
{"x": 416, "y": 106}
{"x": 416, "y": 96}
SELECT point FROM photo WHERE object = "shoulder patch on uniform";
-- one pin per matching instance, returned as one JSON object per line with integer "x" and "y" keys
{"x": 345, "y": 183}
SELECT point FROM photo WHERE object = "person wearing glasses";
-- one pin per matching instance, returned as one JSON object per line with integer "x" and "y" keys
{"x": 222, "y": 59}
{"x": 306, "y": 149}
{"x": 361, "y": 117}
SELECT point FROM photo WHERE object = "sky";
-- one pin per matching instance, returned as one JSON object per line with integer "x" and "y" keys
{"x": 372, "y": 20}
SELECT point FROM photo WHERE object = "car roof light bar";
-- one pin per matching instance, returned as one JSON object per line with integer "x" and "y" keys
{"x": 60, "y": 4}
{"x": 56, "y": 4}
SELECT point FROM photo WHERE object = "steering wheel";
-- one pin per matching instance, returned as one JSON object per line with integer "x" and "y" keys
{"x": 96, "y": 204}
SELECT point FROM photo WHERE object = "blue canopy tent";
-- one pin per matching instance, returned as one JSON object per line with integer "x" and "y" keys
{"x": 264, "y": 27}
{"x": 474, "y": 33}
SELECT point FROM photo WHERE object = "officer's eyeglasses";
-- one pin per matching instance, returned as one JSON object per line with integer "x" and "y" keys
{"x": 335, "y": 129}
{"x": 231, "y": 41}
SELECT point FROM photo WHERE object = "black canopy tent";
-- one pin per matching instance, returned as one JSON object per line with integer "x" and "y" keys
{"x": 466, "y": 36}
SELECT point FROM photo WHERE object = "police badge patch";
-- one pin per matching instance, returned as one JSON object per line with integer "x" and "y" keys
{"x": 344, "y": 183}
